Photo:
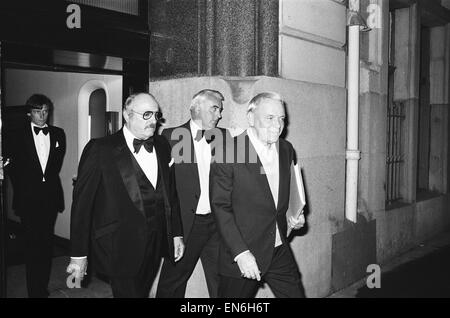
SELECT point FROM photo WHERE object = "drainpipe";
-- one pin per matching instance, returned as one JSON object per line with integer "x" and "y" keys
{"x": 353, "y": 154}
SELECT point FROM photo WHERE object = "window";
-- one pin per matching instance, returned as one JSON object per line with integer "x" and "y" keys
{"x": 395, "y": 152}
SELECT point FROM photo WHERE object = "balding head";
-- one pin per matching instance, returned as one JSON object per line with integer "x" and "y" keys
{"x": 134, "y": 109}
{"x": 138, "y": 97}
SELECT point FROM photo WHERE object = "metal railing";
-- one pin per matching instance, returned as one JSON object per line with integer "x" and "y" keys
{"x": 394, "y": 151}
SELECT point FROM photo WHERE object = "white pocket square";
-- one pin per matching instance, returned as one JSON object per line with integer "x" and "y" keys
{"x": 57, "y": 145}
{"x": 171, "y": 162}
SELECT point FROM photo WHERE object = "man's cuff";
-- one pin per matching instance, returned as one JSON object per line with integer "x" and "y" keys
{"x": 78, "y": 257}
{"x": 240, "y": 254}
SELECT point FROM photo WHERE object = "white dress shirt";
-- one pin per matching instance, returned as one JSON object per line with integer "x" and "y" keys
{"x": 42, "y": 144}
{"x": 203, "y": 155}
{"x": 146, "y": 160}
{"x": 268, "y": 155}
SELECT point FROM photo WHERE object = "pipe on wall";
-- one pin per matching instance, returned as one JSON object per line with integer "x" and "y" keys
{"x": 353, "y": 154}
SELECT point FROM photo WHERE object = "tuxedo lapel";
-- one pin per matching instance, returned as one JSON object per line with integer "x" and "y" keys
{"x": 191, "y": 167}
{"x": 31, "y": 148}
{"x": 163, "y": 172}
{"x": 122, "y": 156}
{"x": 284, "y": 173}
{"x": 51, "y": 153}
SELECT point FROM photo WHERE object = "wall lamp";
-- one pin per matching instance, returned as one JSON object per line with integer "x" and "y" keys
{"x": 354, "y": 18}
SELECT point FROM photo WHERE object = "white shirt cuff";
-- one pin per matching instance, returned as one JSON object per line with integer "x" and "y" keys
{"x": 240, "y": 254}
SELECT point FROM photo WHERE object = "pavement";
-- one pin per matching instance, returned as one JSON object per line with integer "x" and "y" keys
{"x": 16, "y": 285}
{"x": 422, "y": 272}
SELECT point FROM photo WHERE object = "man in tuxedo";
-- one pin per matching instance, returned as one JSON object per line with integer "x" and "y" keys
{"x": 199, "y": 138}
{"x": 249, "y": 198}
{"x": 125, "y": 204}
{"x": 37, "y": 153}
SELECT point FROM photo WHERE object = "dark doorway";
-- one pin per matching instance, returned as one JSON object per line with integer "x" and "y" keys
{"x": 34, "y": 35}
{"x": 97, "y": 113}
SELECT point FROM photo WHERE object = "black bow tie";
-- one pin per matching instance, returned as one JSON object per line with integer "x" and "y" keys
{"x": 138, "y": 143}
{"x": 201, "y": 133}
{"x": 38, "y": 129}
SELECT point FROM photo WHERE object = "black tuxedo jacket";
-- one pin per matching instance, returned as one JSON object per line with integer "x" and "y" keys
{"x": 107, "y": 208}
{"x": 186, "y": 170}
{"x": 27, "y": 175}
{"x": 243, "y": 205}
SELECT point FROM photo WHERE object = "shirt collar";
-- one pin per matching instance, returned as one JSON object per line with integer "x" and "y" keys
{"x": 194, "y": 127}
{"x": 34, "y": 125}
{"x": 129, "y": 137}
{"x": 258, "y": 144}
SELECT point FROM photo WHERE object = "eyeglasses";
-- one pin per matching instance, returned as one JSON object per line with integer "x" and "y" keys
{"x": 148, "y": 114}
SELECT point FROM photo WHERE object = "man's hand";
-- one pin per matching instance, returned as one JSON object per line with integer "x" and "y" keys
{"x": 296, "y": 224}
{"x": 178, "y": 246}
{"x": 77, "y": 267}
{"x": 247, "y": 264}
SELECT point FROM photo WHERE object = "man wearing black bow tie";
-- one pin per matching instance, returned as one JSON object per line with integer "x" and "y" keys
{"x": 125, "y": 210}
{"x": 37, "y": 153}
{"x": 198, "y": 136}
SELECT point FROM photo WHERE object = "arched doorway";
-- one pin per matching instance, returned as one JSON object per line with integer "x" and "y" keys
{"x": 97, "y": 113}
{"x": 93, "y": 104}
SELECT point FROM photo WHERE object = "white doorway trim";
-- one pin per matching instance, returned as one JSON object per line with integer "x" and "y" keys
{"x": 83, "y": 111}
